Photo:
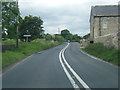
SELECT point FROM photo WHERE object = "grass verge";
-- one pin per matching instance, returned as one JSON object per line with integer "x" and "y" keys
{"x": 24, "y": 50}
{"x": 107, "y": 54}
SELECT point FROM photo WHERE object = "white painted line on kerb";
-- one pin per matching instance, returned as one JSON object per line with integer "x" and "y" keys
{"x": 74, "y": 73}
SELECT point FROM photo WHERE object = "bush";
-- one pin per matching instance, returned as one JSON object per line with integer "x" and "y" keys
{"x": 107, "y": 54}
{"x": 59, "y": 38}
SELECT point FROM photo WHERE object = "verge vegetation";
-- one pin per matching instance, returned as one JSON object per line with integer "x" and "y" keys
{"x": 108, "y": 54}
{"x": 25, "y": 49}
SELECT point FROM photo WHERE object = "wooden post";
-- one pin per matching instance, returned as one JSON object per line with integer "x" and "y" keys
{"x": 17, "y": 29}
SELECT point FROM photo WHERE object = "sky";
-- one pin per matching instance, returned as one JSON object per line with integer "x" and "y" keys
{"x": 57, "y": 15}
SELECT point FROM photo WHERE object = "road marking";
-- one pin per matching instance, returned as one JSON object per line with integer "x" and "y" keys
{"x": 61, "y": 55}
{"x": 67, "y": 73}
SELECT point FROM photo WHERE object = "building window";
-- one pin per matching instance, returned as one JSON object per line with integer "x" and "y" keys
{"x": 105, "y": 24}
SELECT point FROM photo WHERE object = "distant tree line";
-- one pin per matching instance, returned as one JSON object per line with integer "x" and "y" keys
{"x": 29, "y": 25}
{"x": 69, "y": 36}
{"x": 86, "y": 36}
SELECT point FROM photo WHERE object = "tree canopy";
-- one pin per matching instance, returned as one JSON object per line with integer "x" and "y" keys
{"x": 31, "y": 25}
{"x": 66, "y": 34}
{"x": 69, "y": 36}
{"x": 9, "y": 15}
{"x": 86, "y": 36}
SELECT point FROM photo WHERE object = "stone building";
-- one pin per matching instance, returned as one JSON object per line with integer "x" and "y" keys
{"x": 104, "y": 25}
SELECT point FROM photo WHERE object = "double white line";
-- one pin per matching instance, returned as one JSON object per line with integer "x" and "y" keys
{"x": 62, "y": 59}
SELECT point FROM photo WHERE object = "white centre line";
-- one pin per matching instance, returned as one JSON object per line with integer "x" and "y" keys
{"x": 67, "y": 73}
{"x": 61, "y": 56}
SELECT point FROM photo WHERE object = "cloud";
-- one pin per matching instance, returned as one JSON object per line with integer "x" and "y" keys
{"x": 71, "y": 14}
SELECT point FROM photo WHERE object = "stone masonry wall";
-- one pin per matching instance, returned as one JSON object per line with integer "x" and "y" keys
{"x": 105, "y": 25}
{"x": 105, "y": 31}
{"x": 110, "y": 40}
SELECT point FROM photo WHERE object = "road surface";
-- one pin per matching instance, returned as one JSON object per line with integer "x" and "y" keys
{"x": 64, "y": 66}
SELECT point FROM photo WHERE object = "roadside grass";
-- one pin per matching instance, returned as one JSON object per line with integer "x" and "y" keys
{"x": 105, "y": 53}
{"x": 25, "y": 49}
{"x": 0, "y": 62}
{"x": 8, "y": 42}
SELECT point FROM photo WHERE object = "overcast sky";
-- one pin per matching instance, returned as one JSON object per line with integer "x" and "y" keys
{"x": 71, "y": 14}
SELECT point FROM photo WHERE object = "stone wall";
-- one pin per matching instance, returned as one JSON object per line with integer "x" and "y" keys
{"x": 105, "y": 25}
{"x": 110, "y": 40}
{"x": 84, "y": 42}
{"x": 96, "y": 27}
{"x": 7, "y": 47}
{"x": 105, "y": 30}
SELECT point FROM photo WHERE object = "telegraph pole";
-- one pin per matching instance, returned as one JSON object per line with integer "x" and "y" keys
{"x": 58, "y": 30}
{"x": 17, "y": 45}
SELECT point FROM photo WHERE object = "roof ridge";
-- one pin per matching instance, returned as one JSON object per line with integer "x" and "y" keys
{"x": 105, "y": 5}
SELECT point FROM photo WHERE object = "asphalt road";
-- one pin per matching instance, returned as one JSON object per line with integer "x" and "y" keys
{"x": 64, "y": 66}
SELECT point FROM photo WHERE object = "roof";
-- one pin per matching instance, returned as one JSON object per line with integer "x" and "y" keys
{"x": 106, "y": 10}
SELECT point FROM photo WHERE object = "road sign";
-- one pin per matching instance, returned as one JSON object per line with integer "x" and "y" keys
{"x": 27, "y": 35}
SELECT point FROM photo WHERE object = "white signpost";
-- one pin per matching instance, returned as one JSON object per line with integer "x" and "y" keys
{"x": 27, "y": 37}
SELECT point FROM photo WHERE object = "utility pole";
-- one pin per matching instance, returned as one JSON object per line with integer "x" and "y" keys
{"x": 58, "y": 30}
{"x": 17, "y": 45}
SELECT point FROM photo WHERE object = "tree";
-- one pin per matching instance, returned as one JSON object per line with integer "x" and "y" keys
{"x": 66, "y": 34}
{"x": 86, "y": 36}
{"x": 31, "y": 25}
{"x": 9, "y": 14}
{"x": 59, "y": 38}
{"x": 76, "y": 38}
{"x": 48, "y": 37}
